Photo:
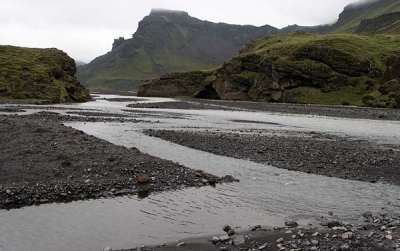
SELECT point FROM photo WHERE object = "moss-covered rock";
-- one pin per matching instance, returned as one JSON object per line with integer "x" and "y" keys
{"x": 303, "y": 68}
{"x": 39, "y": 75}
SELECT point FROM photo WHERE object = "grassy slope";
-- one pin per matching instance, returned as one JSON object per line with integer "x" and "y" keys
{"x": 322, "y": 69}
{"x": 348, "y": 24}
{"x": 374, "y": 49}
{"x": 38, "y": 75}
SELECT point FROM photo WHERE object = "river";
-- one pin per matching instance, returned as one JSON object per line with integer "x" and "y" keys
{"x": 265, "y": 195}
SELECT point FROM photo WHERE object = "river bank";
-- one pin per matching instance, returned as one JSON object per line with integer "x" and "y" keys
{"x": 43, "y": 161}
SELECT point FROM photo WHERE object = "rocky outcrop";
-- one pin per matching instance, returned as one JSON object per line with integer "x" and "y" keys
{"x": 174, "y": 84}
{"x": 39, "y": 75}
{"x": 303, "y": 68}
{"x": 384, "y": 24}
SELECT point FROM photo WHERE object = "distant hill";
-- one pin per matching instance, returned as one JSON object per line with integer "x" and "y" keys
{"x": 167, "y": 41}
{"x": 299, "y": 68}
{"x": 39, "y": 76}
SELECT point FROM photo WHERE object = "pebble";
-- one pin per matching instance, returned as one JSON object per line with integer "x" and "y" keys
{"x": 180, "y": 244}
{"x": 239, "y": 240}
{"x": 367, "y": 214}
{"x": 143, "y": 178}
{"x": 8, "y": 192}
{"x": 389, "y": 237}
{"x": 262, "y": 247}
{"x": 224, "y": 238}
{"x": 347, "y": 235}
{"x": 215, "y": 240}
{"x": 280, "y": 240}
{"x": 107, "y": 249}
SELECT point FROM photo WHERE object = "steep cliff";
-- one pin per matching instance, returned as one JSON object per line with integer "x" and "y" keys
{"x": 167, "y": 41}
{"x": 39, "y": 75}
{"x": 305, "y": 68}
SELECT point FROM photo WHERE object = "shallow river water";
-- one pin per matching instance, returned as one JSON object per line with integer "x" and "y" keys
{"x": 265, "y": 195}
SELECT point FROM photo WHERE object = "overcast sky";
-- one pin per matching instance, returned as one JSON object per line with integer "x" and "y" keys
{"x": 86, "y": 29}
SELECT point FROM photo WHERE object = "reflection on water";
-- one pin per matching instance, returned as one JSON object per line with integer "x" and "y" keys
{"x": 265, "y": 194}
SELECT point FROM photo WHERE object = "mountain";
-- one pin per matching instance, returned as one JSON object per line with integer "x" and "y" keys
{"x": 369, "y": 17}
{"x": 167, "y": 41}
{"x": 299, "y": 68}
{"x": 39, "y": 75}
{"x": 172, "y": 41}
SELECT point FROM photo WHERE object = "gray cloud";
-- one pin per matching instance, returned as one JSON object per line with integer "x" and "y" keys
{"x": 86, "y": 29}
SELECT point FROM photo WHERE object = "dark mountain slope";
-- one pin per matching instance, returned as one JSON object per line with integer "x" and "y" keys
{"x": 167, "y": 41}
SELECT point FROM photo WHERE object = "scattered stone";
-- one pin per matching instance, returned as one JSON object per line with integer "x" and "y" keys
{"x": 334, "y": 223}
{"x": 107, "y": 249}
{"x": 215, "y": 240}
{"x": 231, "y": 232}
{"x": 238, "y": 240}
{"x": 280, "y": 240}
{"x": 291, "y": 223}
{"x": 224, "y": 238}
{"x": 389, "y": 237}
{"x": 262, "y": 247}
{"x": 226, "y": 228}
{"x": 367, "y": 214}
{"x": 347, "y": 235}
{"x": 143, "y": 178}
{"x": 180, "y": 244}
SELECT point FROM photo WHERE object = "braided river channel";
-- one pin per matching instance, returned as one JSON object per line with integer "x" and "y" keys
{"x": 265, "y": 195}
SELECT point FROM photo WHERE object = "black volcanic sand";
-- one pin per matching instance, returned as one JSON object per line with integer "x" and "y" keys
{"x": 303, "y": 109}
{"x": 307, "y": 152}
{"x": 42, "y": 161}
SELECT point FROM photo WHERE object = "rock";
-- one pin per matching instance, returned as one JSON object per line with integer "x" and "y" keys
{"x": 238, "y": 240}
{"x": 291, "y": 223}
{"x": 280, "y": 240}
{"x": 344, "y": 247}
{"x": 143, "y": 178}
{"x": 107, "y": 249}
{"x": 315, "y": 242}
{"x": 390, "y": 86}
{"x": 339, "y": 229}
{"x": 224, "y": 238}
{"x": 231, "y": 232}
{"x": 226, "y": 228}
{"x": 334, "y": 223}
{"x": 88, "y": 181}
{"x": 215, "y": 240}
{"x": 8, "y": 192}
{"x": 180, "y": 244}
{"x": 389, "y": 237}
{"x": 262, "y": 247}
{"x": 347, "y": 236}
{"x": 367, "y": 214}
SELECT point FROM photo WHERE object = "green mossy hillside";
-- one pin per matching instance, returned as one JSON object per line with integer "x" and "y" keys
{"x": 39, "y": 75}
{"x": 337, "y": 69}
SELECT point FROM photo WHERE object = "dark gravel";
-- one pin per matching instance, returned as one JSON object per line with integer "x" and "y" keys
{"x": 43, "y": 161}
{"x": 370, "y": 233}
{"x": 311, "y": 153}
{"x": 186, "y": 105}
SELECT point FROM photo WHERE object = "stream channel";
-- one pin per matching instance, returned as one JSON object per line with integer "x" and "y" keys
{"x": 265, "y": 195}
